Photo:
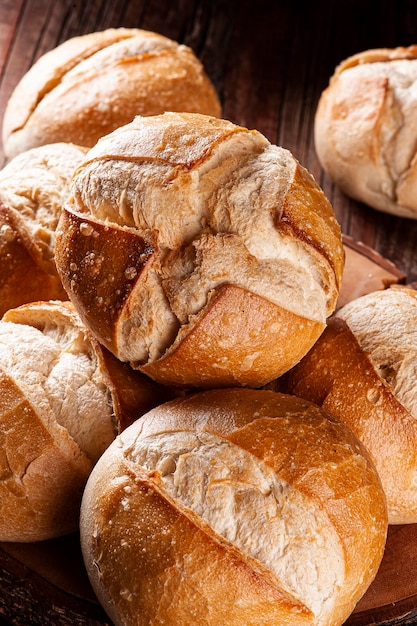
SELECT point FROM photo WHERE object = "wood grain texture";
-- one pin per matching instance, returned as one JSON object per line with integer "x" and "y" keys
{"x": 269, "y": 60}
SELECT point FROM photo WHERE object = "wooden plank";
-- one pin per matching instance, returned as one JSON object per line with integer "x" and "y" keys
{"x": 23, "y": 49}
{"x": 9, "y": 16}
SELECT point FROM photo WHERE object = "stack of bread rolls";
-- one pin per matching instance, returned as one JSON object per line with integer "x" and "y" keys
{"x": 79, "y": 396}
{"x": 193, "y": 258}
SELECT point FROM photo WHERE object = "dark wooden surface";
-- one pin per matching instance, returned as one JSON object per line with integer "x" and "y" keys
{"x": 269, "y": 61}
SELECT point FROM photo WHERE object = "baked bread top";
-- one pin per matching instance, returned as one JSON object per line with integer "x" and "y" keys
{"x": 366, "y": 129}
{"x": 91, "y": 84}
{"x": 209, "y": 246}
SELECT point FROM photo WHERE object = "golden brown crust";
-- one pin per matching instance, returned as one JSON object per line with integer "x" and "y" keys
{"x": 94, "y": 83}
{"x": 177, "y": 221}
{"x": 133, "y": 394}
{"x": 339, "y": 376}
{"x": 238, "y": 339}
{"x": 152, "y": 557}
{"x": 99, "y": 265}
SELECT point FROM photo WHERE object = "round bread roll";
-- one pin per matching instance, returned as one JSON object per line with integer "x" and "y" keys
{"x": 363, "y": 369}
{"x": 234, "y": 506}
{"x": 366, "y": 129}
{"x": 91, "y": 84}
{"x": 33, "y": 188}
{"x": 199, "y": 252}
{"x": 63, "y": 400}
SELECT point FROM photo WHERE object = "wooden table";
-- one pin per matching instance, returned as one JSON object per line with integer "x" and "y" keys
{"x": 269, "y": 60}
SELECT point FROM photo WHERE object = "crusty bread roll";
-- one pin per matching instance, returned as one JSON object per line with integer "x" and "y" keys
{"x": 363, "y": 369}
{"x": 198, "y": 252}
{"x": 91, "y": 84}
{"x": 233, "y": 506}
{"x": 33, "y": 188}
{"x": 366, "y": 129}
{"x": 63, "y": 400}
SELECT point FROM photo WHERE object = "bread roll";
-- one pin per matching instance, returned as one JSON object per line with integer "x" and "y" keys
{"x": 234, "y": 506}
{"x": 363, "y": 369}
{"x": 196, "y": 251}
{"x": 62, "y": 402}
{"x": 366, "y": 129}
{"x": 91, "y": 84}
{"x": 33, "y": 188}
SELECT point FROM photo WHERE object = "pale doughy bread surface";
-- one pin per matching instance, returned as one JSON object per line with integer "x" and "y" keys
{"x": 35, "y": 184}
{"x": 366, "y": 129}
{"x": 55, "y": 364}
{"x": 244, "y": 502}
{"x": 47, "y": 450}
